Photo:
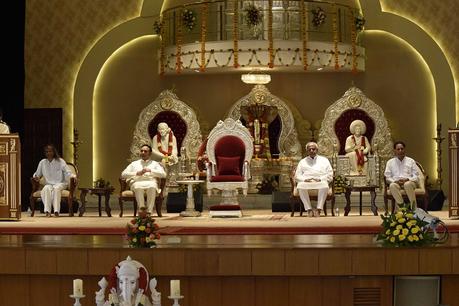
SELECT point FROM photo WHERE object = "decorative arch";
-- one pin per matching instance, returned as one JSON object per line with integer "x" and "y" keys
{"x": 288, "y": 143}
{"x": 177, "y": 114}
{"x": 354, "y": 101}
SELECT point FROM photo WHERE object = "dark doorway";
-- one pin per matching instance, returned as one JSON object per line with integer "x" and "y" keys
{"x": 41, "y": 126}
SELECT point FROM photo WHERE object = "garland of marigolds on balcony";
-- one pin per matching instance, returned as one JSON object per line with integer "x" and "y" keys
{"x": 304, "y": 35}
{"x": 235, "y": 34}
{"x": 161, "y": 49}
{"x": 178, "y": 42}
{"x": 270, "y": 34}
{"x": 335, "y": 36}
{"x": 353, "y": 39}
{"x": 204, "y": 8}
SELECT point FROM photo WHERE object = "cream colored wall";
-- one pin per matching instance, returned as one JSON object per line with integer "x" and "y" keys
{"x": 56, "y": 48}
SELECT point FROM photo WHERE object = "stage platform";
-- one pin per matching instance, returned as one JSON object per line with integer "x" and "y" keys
{"x": 253, "y": 222}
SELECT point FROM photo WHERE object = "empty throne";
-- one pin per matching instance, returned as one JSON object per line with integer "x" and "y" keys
{"x": 229, "y": 150}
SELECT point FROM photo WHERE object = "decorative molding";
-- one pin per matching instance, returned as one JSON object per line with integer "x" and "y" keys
{"x": 220, "y": 56}
{"x": 354, "y": 98}
{"x": 289, "y": 145}
{"x": 167, "y": 101}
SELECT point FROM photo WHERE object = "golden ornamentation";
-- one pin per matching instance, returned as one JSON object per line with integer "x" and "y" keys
{"x": 354, "y": 101}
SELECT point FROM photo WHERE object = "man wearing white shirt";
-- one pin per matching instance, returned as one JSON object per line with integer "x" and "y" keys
{"x": 402, "y": 173}
{"x": 57, "y": 176}
{"x": 142, "y": 177}
{"x": 313, "y": 172}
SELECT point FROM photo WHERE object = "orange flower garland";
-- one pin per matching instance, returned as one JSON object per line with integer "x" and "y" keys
{"x": 335, "y": 36}
{"x": 270, "y": 34}
{"x": 203, "y": 36}
{"x": 235, "y": 34}
{"x": 178, "y": 30}
{"x": 304, "y": 35}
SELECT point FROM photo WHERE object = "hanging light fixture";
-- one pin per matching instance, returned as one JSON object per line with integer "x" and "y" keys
{"x": 256, "y": 78}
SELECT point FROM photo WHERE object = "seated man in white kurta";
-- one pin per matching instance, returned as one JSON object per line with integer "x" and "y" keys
{"x": 57, "y": 175}
{"x": 313, "y": 172}
{"x": 142, "y": 177}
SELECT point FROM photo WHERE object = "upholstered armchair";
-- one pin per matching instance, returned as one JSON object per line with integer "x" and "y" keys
{"x": 295, "y": 197}
{"x": 127, "y": 195}
{"x": 422, "y": 194}
{"x": 229, "y": 149}
{"x": 67, "y": 194}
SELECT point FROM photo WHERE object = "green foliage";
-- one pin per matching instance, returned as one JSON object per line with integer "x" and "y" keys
{"x": 142, "y": 231}
{"x": 404, "y": 229}
{"x": 268, "y": 185}
{"x": 101, "y": 183}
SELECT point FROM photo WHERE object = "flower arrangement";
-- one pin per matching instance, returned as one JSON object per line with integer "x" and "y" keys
{"x": 189, "y": 19}
{"x": 359, "y": 23}
{"x": 101, "y": 183}
{"x": 142, "y": 231}
{"x": 404, "y": 228}
{"x": 318, "y": 17}
{"x": 253, "y": 15}
{"x": 340, "y": 183}
{"x": 157, "y": 26}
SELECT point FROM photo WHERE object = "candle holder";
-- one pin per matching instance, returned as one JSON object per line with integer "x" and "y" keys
{"x": 77, "y": 299}
{"x": 176, "y": 299}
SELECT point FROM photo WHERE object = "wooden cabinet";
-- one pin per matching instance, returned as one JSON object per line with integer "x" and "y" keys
{"x": 10, "y": 177}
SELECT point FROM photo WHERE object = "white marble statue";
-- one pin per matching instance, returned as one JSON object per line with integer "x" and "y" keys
{"x": 357, "y": 148}
{"x": 164, "y": 145}
{"x": 127, "y": 284}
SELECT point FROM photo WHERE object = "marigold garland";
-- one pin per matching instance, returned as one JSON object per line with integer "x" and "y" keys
{"x": 178, "y": 30}
{"x": 335, "y": 36}
{"x": 236, "y": 34}
{"x": 204, "y": 9}
{"x": 353, "y": 41}
{"x": 304, "y": 35}
{"x": 170, "y": 144}
{"x": 270, "y": 34}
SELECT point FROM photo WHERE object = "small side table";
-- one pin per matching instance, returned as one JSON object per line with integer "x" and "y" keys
{"x": 190, "y": 208}
{"x": 106, "y": 192}
{"x": 360, "y": 189}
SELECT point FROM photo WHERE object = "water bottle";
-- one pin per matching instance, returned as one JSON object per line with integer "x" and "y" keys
{"x": 337, "y": 211}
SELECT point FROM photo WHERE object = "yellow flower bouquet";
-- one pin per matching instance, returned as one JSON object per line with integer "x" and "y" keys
{"x": 142, "y": 231}
{"x": 403, "y": 228}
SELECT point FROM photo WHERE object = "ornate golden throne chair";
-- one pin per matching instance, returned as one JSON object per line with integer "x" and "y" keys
{"x": 182, "y": 120}
{"x": 230, "y": 150}
{"x": 277, "y": 132}
{"x": 354, "y": 105}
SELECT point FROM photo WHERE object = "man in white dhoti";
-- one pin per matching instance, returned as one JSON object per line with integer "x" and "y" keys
{"x": 164, "y": 145}
{"x": 142, "y": 177}
{"x": 313, "y": 172}
{"x": 402, "y": 173}
{"x": 57, "y": 176}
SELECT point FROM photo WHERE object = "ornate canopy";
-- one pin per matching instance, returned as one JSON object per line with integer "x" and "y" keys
{"x": 288, "y": 143}
{"x": 354, "y": 102}
{"x": 167, "y": 105}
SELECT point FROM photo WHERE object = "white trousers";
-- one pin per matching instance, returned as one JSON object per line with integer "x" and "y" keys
{"x": 141, "y": 189}
{"x": 321, "y": 197}
{"x": 51, "y": 194}
{"x": 409, "y": 187}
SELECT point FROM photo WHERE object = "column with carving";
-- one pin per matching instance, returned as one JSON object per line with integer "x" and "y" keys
{"x": 453, "y": 137}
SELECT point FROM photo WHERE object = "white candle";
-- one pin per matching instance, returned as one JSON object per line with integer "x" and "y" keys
{"x": 77, "y": 287}
{"x": 175, "y": 288}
